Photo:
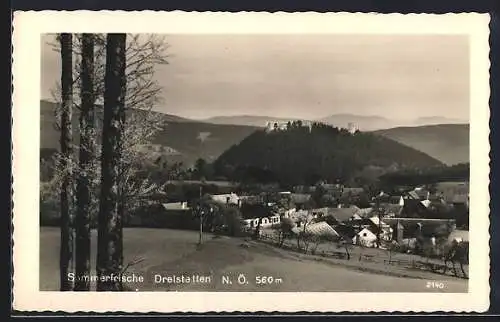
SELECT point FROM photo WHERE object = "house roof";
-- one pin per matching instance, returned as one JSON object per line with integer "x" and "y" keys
{"x": 345, "y": 230}
{"x": 364, "y": 211}
{"x": 375, "y": 221}
{"x": 414, "y": 207}
{"x": 352, "y": 191}
{"x": 318, "y": 229}
{"x": 341, "y": 214}
{"x": 175, "y": 206}
{"x": 421, "y": 192}
{"x": 414, "y": 195}
{"x": 392, "y": 209}
{"x": 426, "y": 203}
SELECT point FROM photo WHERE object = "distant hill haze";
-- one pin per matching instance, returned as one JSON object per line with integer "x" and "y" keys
{"x": 186, "y": 140}
{"x": 448, "y": 143}
{"x": 362, "y": 122}
{"x": 248, "y": 120}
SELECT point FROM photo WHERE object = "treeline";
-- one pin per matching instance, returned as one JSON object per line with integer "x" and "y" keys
{"x": 301, "y": 156}
{"x": 429, "y": 175}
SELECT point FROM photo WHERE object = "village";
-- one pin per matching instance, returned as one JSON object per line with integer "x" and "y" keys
{"x": 423, "y": 220}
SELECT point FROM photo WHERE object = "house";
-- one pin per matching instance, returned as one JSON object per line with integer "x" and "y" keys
{"x": 287, "y": 213}
{"x": 426, "y": 203}
{"x": 422, "y": 193}
{"x": 379, "y": 226}
{"x": 396, "y": 200}
{"x": 346, "y": 231}
{"x": 341, "y": 215}
{"x": 251, "y": 199}
{"x": 266, "y": 222}
{"x": 392, "y": 210}
{"x": 362, "y": 212}
{"x": 318, "y": 229}
{"x": 351, "y": 192}
{"x": 413, "y": 208}
{"x": 176, "y": 206}
{"x": 459, "y": 235}
{"x": 385, "y": 198}
{"x": 227, "y": 198}
{"x": 365, "y": 238}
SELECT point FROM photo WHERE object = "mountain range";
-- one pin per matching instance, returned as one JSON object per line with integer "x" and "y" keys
{"x": 362, "y": 122}
{"x": 183, "y": 139}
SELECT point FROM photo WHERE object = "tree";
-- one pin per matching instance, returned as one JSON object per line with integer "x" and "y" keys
{"x": 66, "y": 192}
{"x": 86, "y": 155}
{"x": 200, "y": 168}
{"x": 110, "y": 239}
{"x": 285, "y": 230}
{"x": 302, "y": 234}
{"x": 143, "y": 54}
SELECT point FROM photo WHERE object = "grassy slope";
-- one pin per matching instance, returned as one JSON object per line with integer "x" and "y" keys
{"x": 179, "y": 133}
{"x": 174, "y": 252}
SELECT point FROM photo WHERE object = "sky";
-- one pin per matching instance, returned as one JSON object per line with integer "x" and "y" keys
{"x": 307, "y": 76}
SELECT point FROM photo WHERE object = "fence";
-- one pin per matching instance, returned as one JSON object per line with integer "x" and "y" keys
{"x": 349, "y": 252}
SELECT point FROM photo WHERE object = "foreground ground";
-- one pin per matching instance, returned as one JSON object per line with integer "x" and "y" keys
{"x": 173, "y": 255}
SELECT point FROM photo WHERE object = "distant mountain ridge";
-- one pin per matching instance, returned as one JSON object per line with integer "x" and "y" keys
{"x": 362, "y": 122}
{"x": 246, "y": 120}
{"x": 192, "y": 139}
{"x": 446, "y": 142}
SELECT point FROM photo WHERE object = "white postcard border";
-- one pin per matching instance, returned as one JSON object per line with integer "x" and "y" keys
{"x": 28, "y": 27}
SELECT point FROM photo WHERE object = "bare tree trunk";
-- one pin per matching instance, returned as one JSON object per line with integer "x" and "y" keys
{"x": 87, "y": 151}
{"x": 110, "y": 241}
{"x": 67, "y": 235}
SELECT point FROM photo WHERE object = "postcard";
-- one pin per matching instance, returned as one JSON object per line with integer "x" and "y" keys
{"x": 251, "y": 162}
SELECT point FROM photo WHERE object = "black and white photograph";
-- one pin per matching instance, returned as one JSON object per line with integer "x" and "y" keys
{"x": 274, "y": 162}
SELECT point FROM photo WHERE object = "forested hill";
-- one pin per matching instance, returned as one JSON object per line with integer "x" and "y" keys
{"x": 300, "y": 156}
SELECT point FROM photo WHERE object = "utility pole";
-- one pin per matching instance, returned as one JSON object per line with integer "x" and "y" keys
{"x": 379, "y": 214}
{"x": 200, "y": 215}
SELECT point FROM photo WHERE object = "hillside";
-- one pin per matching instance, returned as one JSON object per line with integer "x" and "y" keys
{"x": 301, "y": 157}
{"x": 448, "y": 143}
{"x": 180, "y": 140}
{"x": 185, "y": 140}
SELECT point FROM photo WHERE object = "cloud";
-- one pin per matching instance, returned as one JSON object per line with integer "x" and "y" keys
{"x": 309, "y": 76}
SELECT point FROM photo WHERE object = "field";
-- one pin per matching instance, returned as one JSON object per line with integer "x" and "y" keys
{"x": 174, "y": 252}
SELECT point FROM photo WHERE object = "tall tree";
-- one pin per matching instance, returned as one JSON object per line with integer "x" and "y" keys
{"x": 110, "y": 241}
{"x": 144, "y": 52}
{"x": 86, "y": 155}
{"x": 66, "y": 192}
